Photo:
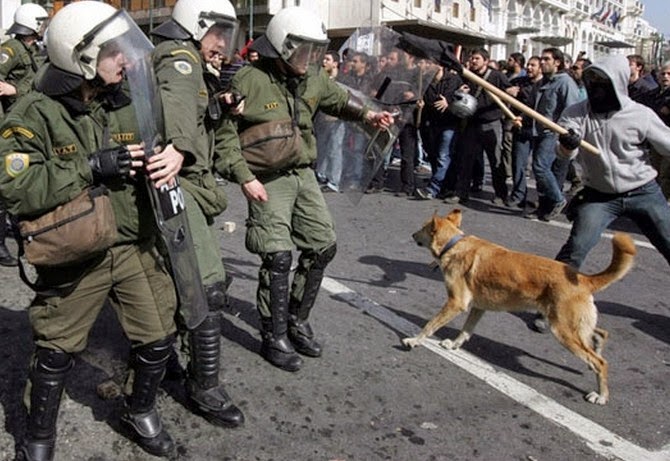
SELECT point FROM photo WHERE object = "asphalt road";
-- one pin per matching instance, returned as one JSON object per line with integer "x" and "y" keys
{"x": 510, "y": 394}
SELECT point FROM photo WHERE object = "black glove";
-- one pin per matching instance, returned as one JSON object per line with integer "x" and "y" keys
{"x": 570, "y": 140}
{"x": 111, "y": 162}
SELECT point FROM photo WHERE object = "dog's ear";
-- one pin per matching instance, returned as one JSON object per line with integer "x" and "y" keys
{"x": 434, "y": 222}
{"x": 456, "y": 216}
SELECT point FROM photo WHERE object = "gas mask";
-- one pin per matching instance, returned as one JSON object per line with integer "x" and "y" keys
{"x": 600, "y": 90}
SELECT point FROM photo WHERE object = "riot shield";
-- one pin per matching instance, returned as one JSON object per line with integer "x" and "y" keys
{"x": 167, "y": 202}
{"x": 394, "y": 87}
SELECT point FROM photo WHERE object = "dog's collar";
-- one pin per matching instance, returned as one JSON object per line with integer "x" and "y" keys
{"x": 450, "y": 244}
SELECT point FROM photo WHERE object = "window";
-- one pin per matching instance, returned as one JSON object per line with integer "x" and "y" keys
{"x": 454, "y": 10}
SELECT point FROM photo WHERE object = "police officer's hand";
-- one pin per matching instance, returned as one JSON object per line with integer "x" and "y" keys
{"x": 570, "y": 140}
{"x": 7, "y": 89}
{"x": 254, "y": 190}
{"x": 232, "y": 102}
{"x": 380, "y": 120}
{"x": 111, "y": 162}
{"x": 164, "y": 166}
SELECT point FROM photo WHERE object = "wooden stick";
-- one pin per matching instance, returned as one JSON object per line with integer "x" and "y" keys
{"x": 506, "y": 110}
{"x": 556, "y": 128}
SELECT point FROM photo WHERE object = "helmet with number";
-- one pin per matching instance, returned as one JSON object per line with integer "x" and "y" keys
{"x": 464, "y": 104}
{"x": 296, "y": 35}
{"x": 198, "y": 16}
{"x": 29, "y": 19}
{"x": 77, "y": 33}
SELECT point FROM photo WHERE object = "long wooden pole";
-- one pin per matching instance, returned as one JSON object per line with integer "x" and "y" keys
{"x": 506, "y": 110}
{"x": 556, "y": 128}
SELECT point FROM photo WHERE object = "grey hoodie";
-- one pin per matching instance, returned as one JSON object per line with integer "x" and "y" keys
{"x": 621, "y": 136}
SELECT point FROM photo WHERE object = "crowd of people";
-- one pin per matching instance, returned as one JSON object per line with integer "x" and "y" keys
{"x": 454, "y": 133}
{"x": 274, "y": 124}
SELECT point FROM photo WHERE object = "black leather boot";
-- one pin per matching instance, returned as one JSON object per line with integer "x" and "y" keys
{"x": 276, "y": 347}
{"x": 140, "y": 418}
{"x": 311, "y": 267}
{"x": 6, "y": 259}
{"x": 206, "y": 394}
{"x": 47, "y": 379}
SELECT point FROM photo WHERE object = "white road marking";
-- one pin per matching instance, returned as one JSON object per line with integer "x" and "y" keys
{"x": 598, "y": 438}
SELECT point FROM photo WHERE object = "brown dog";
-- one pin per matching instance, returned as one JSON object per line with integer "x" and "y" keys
{"x": 487, "y": 276}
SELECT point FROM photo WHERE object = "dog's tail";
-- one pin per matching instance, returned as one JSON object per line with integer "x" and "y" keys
{"x": 623, "y": 253}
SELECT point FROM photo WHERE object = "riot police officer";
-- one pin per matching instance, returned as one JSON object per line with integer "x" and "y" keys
{"x": 57, "y": 145}
{"x": 18, "y": 64}
{"x": 199, "y": 32}
{"x": 284, "y": 89}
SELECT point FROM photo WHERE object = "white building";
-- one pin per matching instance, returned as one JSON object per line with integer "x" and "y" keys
{"x": 595, "y": 27}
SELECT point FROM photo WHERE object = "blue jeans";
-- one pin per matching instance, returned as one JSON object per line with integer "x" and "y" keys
{"x": 442, "y": 161}
{"x": 593, "y": 211}
{"x": 329, "y": 148}
{"x": 544, "y": 154}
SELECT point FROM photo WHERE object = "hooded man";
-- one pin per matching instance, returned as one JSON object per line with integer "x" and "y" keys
{"x": 621, "y": 180}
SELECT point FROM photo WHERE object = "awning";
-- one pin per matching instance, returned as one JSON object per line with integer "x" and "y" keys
{"x": 455, "y": 35}
{"x": 522, "y": 30}
{"x": 553, "y": 40}
{"x": 614, "y": 44}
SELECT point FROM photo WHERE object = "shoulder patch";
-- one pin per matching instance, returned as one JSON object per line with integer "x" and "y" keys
{"x": 4, "y": 57}
{"x": 15, "y": 164}
{"x": 17, "y": 130}
{"x": 183, "y": 67}
{"x": 8, "y": 50}
{"x": 187, "y": 53}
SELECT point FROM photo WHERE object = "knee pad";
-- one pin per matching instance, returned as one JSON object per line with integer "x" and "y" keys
{"x": 324, "y": 256}
{"x": 155, "y": 353}
{"x": 279, "y": 262}
{"x": 52, "y": 361}
{"x": 216, "y": 296}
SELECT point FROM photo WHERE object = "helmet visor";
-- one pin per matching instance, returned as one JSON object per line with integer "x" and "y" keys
{"x": 303, "y": 54}
{"x": 221, "y": 32}
{"x": 114, "y": 46}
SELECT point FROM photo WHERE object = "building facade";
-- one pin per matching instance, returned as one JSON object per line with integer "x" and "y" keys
{"x": 590, "y": 27}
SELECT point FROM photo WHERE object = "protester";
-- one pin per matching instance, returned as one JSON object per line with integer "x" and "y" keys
{"x": 619, "y": 181}
{"x": 555, "y": 92}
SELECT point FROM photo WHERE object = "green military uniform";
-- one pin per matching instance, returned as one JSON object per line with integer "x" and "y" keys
{"x": 295, "y": 214}
{"x": 184, "y": 94}
{"x": 179, "y": 70}
{"x": 45, "y": 150}
{"x": 18, "y": 65}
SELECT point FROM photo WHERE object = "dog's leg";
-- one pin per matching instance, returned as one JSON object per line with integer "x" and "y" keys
{"x": 577, "y": 346}
{"x": 466, "y": 332}
{"x": 454, "y": 306}
{"x": 599, "y": 339}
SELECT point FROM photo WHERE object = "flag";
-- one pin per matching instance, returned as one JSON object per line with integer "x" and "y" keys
{"x": 614, "y": 19}
{"x": 597, "y": 14}
{"x": 605, "y": 15}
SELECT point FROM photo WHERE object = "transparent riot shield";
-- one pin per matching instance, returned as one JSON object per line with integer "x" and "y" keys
{"x": 385, "y": 78}
{"x": 168, "y": 202}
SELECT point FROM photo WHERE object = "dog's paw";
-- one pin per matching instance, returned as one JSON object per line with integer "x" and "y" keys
{"x": 449, "y": 344}
{"x": 595, "y": 398}
{"x": 411, "y": 342}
